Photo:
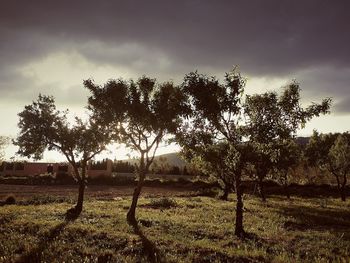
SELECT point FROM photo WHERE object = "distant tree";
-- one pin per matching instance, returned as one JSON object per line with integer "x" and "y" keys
{"x": 215, "y": 111}
{"x": 160, "y": 165}
{"x": 184, "y": 171}
{"x": 288, "y": 158}
{"x": 4, "y": 141}
{"x": 272, "y": 118}
{"x": 123, "y": 167}
{"x": 210, "y": 157}
{"x": 43, "y": 127}
{"x": 175, "y": 170}
{"x": 142, "y": 115}
{"x": 332, "y": 152}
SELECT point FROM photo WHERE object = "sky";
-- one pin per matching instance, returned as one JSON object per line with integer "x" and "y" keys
{"x": 50, "y": 47}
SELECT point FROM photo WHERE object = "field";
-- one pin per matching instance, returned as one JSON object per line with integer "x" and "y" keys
{"x": 175, "y": 225}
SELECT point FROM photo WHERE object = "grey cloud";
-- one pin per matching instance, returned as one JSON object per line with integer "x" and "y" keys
{"x": 265, "y": 37}
{"x": 303, "y": 39}
{"x": 343, "y": 106}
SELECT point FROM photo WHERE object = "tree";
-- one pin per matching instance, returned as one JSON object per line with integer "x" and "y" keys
{"x": 339, "y": 155}
{"x": 142, "y": 114}
{"x": 272, "y": 118}
{"x": 215, "y": 110}
{"x": 43, "y": 127}
{"x": 331, "y": 152}
{"x": 210, "y": 158}
{"x": 289, "y": 155}
{"x": 4, "y": 141}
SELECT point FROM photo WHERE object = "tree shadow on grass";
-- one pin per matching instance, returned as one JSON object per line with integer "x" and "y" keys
{"x": 149, "y": 249}
{"x": 36, "y": 253}
{"x": 318, "y": 219}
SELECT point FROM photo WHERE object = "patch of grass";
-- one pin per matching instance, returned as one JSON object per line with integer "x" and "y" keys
{"x": 190, "y": 229}
{"x": 161, "y": 203}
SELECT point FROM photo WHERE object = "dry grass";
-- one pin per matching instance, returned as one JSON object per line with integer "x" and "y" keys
{"x": 192, "y": 229}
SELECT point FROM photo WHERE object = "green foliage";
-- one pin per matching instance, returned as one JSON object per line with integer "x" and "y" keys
{"x": 123, "y": 167}
{"x": 331, "y": 152}
{"x": 43, "y": 127}
{"x": 272, "y": 123}
{"x": 339, "y": 154}
{"x": 140, "y": 113}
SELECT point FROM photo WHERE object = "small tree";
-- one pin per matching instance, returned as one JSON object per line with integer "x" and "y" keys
{"x": 142, "y": 115}
{"x": 331, "y": 152}
{"x": 210, "y": 158}
{"x": 272, "y": 118}
{"x": 289, "y": 155}
{"x": 43, "y": 127}
{"x": 215, "y": 111}
{"x": 339, "y": 155}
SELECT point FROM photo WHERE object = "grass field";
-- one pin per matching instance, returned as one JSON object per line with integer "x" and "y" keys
{"x": 176, "y": 229}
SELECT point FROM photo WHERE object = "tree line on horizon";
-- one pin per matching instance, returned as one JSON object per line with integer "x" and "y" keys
{"x": 219, "y": 128}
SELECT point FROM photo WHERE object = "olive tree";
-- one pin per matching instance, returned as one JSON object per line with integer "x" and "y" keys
{"x": 289, "y": 156}
{"x": 43, "y": 127}
{"x": 331, "y": 152}
{"x": 208, "y": 156}
{"x": 215, "y": 111}
{"x": 271, "y": 118}
{"x": 142, "y": 114}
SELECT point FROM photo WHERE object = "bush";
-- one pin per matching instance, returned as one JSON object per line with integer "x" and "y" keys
{"x": 208, "y": 192}
{"x": 162, "y": 203}
{"x": 10, "y": 200}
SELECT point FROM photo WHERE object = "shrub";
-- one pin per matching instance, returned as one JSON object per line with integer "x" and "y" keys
{"x": 10, "y": 200}
{"x": 162, "y": 203}
{"x": 209, "y": 192}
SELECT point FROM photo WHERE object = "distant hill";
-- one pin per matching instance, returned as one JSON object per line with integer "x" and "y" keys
{"x": 176, "y": 160}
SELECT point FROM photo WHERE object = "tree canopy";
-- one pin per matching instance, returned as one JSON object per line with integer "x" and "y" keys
{"x": 142, "y": 114}
{"x": 44, "y": 127}
{"x": 271, "y": 119}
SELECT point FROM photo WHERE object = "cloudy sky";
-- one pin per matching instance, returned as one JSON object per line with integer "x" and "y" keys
{"x": 50, "y": 47}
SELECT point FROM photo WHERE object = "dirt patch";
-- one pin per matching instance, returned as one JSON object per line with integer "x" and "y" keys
{"x": 103, "y": 192}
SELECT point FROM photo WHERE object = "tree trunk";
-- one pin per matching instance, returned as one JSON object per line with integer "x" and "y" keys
{"x": 239, "y": 231}
{"x": 343, "y": 187}
{"x": 286, "y": 186}
{"x": 286, "y": 189}
{"x": 261, "y": 188}
{"x": 131, "y": 215}
{"x": 226, "y": 191}
{"x": 342, "y": 194}
{"x": 79, "y": 205}
{"x": 74, "y": 212}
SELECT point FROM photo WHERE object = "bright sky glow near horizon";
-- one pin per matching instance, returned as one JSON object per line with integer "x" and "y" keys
{"x": 43, "y": 53}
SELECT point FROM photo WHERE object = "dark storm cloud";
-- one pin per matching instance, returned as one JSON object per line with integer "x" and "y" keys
{"x": 266, "y": 38}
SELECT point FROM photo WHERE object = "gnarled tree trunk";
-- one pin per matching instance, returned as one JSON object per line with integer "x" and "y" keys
{"x": 131, "y": 215}
{"x": 226, "y": 190}
{"x": 343, "y": 188}
{"x": 239, "y": 231}
{"x": 79, "y": 205}
{"x": 76, "y": 211}
{"x": 261, "y": 187}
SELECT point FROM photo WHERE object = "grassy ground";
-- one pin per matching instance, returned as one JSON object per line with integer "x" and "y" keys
{"x": 180, "y": 229}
